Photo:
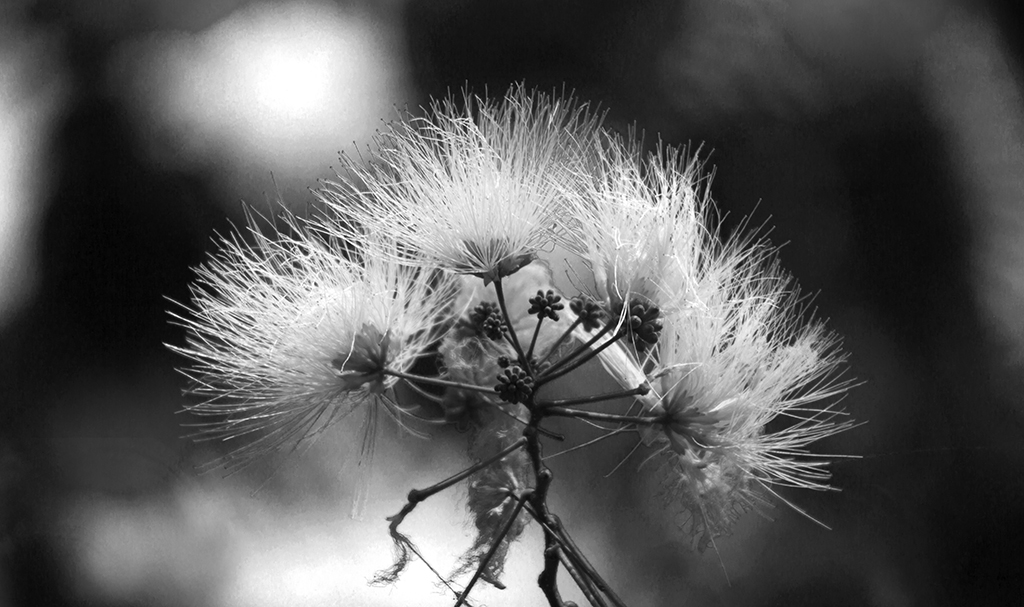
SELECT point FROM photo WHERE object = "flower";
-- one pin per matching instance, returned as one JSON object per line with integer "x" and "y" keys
{"x": 295, "y": 332}
{"x": 645, "y": 237}
{"x": 639, "y": 218}
{"x": 474, "y": 190}
{"x": 715, "y": 331}
{"x": 728, "y": 369}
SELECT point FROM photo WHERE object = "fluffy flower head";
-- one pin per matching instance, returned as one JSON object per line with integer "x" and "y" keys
{"x": 642, "y": 226}
{"x": 644, "y": 236}
{"x": 726, "y": 369}
{"x": 471, "y": 189}
{"x": 293, "y": 333}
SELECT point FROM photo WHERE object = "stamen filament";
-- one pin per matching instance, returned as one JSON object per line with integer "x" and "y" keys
{"x": 427, "y": 395}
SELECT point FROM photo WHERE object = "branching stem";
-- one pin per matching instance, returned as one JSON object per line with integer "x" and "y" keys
{"x": 434, "y": 381}
{"x": 565, "y": 334}
{"x": 581, "y": 349}
{"x": 586, "y": 400}
{"x": 547, "y": 433}
{"x": 513, "y": 338}
{"x": 640, "y": 420}
{"x": 570, "y": 550}
{"x": 559, "y": 549}
{"x": 582, "y": 582}
{"x": 418, "y": 495}
{"x": 573, "y": 551}
{"x": 551, "y": 375}
{"x": 533, "y": 341}
{"x": 494, "y": 548}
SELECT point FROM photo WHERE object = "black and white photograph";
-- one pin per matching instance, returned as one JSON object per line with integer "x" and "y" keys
{"x": 562, "y": 303}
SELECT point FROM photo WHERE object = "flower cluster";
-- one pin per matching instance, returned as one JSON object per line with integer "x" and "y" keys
{"x": 476, "y": 189}
{"x": 431, "y": 247}
{"x": 732, "y": 351}
{"x": 726, "y": 368}
{"x": 293, "y": 331}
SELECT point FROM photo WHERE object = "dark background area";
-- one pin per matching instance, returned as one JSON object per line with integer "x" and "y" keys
{"x": 880, "y": 142}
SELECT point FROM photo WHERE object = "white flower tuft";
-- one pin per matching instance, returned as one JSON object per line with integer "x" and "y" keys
{"x": 728, "y": 351}
{"x": 645, "y": 238}
{"x": 301, "y": 328}
{"x": 640, "y": 218}
{"x": 292, "y": 333}
{"x": 727, "y": 369}
{"x": 476, "y": 189}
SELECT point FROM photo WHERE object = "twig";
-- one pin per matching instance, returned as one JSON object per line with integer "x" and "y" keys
{"x": 561, "y": 338}
{"x": 551, "y": 375}
{"x": 533, "y": 341}
{"x": 433, "y": 381}
{"x": 582, "y": 582}
{"x": 580, "y": 349}
{"x": 571, "y": 402}
{"x": 499, "y": 290}
{"x": 582, "y": 562}
{"x": 547, "y": 433}
{"x": 640, "y": 420}
{"x": 418, "y": 495}
{"x": 490, "y": 553}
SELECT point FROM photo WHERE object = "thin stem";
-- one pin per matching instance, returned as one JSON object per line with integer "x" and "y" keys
{"x": 434, "y": 381}
{"x": 571, "y": 402}
{"x": 533, "y": 341}
{"x": 500, "y": 291}
{"x": 455, "y": 478}
{"x": 582, "y": 582}
{"x": 560, "y": 339}
{"x": 427, "y": 395}
{"x": 599, "y": 438}
{"x": 581, "y": 349}
{"x": 490, "y": 553}
{"x": 506, "y": 335}
{"x": 436, "y": 573}
{"x": 547, "y": 433}
{"x": 551, "y": 376}
{"x": 569, "y": 549}
{"x": 640, "y": 420}
{"x": 418, "y": 495}
{"x": 548, "y": 578}
{"x": 573, "y": 551}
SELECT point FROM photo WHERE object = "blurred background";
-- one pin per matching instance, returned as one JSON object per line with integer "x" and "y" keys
{"x": 881, "y": 140}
